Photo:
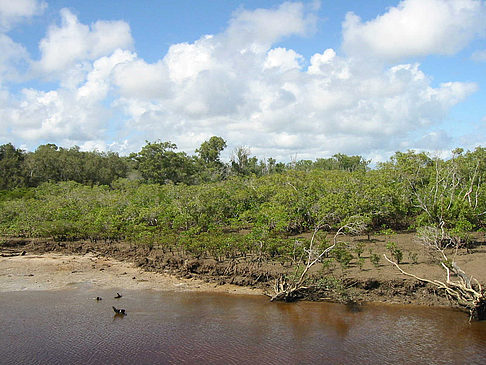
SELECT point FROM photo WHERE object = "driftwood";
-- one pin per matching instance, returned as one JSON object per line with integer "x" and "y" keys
{"x": 466, "y": 291}
{"x": 285, "y": 290}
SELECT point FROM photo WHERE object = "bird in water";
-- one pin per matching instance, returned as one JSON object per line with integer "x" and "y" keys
{"x": 99, "y": 298}
{"x": 120, "y": 312}
{"x": 118, "y": 295}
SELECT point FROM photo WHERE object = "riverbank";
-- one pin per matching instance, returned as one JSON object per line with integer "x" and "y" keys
{"x": 56, "y": 271}
{"x": 48, "y": 264}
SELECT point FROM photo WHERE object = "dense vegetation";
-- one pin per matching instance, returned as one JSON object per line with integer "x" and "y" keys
{"x": 157, "y": 162}
{"x": 251, "y": 212}
{"x": 201, "y": 205}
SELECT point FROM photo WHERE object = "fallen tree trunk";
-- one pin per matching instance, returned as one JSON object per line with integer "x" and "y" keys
{"x": 466, "y": 291}
{"x": 290, "y": 290}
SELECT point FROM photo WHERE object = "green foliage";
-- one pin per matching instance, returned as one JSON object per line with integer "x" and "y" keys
{"x": 342, "y": 255}
{"x": 359, "y": 248}
{"x": 210, "y": 150}
{"x": 209, "y": 166}
{"x": 159, "y": 163}
{"x": 361, "y": 262}
{"x": 387, "y": 232}
{"x": 330, "y": 283}
{"x": 17, "y": 193}
{"x": 206, "y": 207}
{"x": 11, "y": 160}
{"x": 374, "y": 259}
{"x": 413, "y": 257}
{"x": 461, "y": 232}
{"x": 395, "y": 252}
{"x": 327, "y": 265}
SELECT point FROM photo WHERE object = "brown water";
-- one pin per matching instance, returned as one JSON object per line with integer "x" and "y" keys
{"x": 70, "y": 327}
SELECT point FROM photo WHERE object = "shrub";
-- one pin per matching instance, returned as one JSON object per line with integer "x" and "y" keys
{"x": 375, "y": 259}
{"x": 395, "y": 252}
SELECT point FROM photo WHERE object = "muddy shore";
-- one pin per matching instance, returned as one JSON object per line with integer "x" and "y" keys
{"x": 55, "y": 265}
{"x": 55, "y": 271}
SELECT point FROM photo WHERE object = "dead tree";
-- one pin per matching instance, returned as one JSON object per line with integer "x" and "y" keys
{"x": 459, "y": 287}
{"x": 289, "y": 290}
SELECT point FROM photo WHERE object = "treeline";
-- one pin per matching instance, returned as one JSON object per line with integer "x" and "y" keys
{"x": 157, "y": 162}
{"x": 410, "y": 191}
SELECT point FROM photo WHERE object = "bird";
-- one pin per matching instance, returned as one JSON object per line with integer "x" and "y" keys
{"x": 99, "y": 298}
{"x": 120, "y": 312}
{"x": 118, "y": 295}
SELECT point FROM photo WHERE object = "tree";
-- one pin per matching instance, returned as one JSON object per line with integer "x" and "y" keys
{"x": 445, "y": 194}
{"x": 338, "y": 161}
{"x": 44, "y": 165}
{"x": 210, "y": 150}
{"x": 209, "y": 164}
{"x": 351, "y": 163}
{"x": 11, "y": 166}
{"x": 52, "y": 163}
{"x": 243, "y": 164}
{"x": 159, "y": 163}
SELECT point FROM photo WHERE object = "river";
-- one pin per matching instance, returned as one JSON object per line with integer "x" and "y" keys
{"x": 71, "y": 327}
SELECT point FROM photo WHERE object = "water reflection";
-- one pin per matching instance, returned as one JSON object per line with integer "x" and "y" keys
{"x": 51, "y": 327}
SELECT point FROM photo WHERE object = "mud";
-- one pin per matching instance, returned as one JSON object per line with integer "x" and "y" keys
{"x": 154, "y": 267}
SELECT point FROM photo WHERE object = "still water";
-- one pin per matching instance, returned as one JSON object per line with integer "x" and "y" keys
{"x": 71, "y": 327}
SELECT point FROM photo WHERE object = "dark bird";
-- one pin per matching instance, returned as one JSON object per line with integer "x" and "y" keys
{"x": 99, "y": 298}
{"x": 120, "y": 312}
{"x": 118, "y": 295}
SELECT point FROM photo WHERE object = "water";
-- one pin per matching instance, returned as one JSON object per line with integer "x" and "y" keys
{"x": 71, "y": 327}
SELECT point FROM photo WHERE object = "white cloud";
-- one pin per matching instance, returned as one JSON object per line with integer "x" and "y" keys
{"x": 257, "y": 30}
{"x": 185, "y": 60}
{"x": 283, "y": 59}
{"x": 13, "y": 11}
{"x": 261, "y": 96}
{"x": 138, "y": 79}
{"x": 73, "y": 42}
{"x": 416, "y": 28}
{"x": 235, "y": 84}
{"x": 12, "y": 56}
{"x": 73, "y": 116}
{"x": 332, "y": 106}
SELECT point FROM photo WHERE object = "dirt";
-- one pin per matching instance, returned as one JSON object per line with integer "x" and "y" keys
{"x": 47, "y": 264}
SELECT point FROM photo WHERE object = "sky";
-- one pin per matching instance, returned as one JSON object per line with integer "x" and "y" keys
{"x": 288, "y": 80}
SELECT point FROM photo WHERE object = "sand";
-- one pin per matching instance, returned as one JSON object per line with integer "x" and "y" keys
{"x": 53, "y": 271}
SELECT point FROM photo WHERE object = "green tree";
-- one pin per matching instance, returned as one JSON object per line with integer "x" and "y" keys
{"x": 11, "y": 167}
{"x": 159, "y": 163}
{"x": 210, "y": 150}
{"x": 210, "y": 167}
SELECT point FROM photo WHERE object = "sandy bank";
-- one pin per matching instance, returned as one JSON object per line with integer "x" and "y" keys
{"x": 59, "y": 271}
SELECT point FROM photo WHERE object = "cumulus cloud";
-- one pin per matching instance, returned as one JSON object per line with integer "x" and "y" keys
{"x": 74, "y": 42}
{"x": 14, "y": 11}
{"x": 12, "y": 56}
{"x": 257, "y": 30}
{"x": 73, "y": 116}
{"x": 283, "y": 59}
{"x": 237, "y": 84}
{"x": 278, "y": 107}
{"x": 416, "y": 28}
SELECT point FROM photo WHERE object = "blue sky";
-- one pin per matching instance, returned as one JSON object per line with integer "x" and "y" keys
{"x": 287, "y": 79}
